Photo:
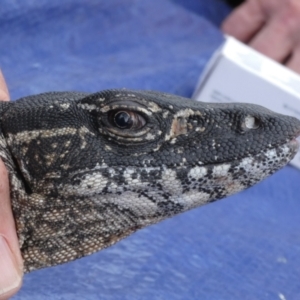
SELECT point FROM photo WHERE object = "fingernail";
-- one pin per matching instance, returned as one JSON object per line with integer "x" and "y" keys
{"x": 10, "y": 278}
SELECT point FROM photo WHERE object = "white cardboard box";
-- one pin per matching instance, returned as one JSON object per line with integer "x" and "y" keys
{"x": 237, "y": 73}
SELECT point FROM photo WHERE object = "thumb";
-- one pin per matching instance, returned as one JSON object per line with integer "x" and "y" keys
{"x": 4, "y": 94}
{"x": 10, "y": 257}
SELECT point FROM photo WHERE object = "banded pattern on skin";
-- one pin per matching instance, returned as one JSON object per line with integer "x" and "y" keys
{"x": 80, "y": 182}
{"x": 115, "y": 208}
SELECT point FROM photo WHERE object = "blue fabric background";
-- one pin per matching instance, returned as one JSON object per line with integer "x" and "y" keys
{"x": 243, "y": 247}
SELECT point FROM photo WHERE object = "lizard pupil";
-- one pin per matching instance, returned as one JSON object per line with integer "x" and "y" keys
{"x": 123, "y": 120}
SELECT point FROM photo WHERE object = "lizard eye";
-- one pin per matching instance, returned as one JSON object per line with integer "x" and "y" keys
{"x": 125, "y": 119}
{"x": 122, "y": 119}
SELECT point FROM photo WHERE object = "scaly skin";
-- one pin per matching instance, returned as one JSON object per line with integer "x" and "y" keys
{"x": 88, "y": 170}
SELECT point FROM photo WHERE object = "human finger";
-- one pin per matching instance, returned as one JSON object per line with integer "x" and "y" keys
{"x": 294, "y": 62}
{"x": 11, "y": 264}
{"x": 10, "y": 257}
{"x": 4, "y": 94}
{"x": 274, "y": 40}
{"x": 245, "y": 21}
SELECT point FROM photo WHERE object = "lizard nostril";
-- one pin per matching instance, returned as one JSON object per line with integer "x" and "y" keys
{"x": 251, "y": 122}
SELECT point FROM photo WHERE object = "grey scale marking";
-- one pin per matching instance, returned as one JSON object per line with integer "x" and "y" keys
{"x": 81, "y": 181}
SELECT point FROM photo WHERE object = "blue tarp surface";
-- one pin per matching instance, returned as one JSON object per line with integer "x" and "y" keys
{"x": 244, "y": 247}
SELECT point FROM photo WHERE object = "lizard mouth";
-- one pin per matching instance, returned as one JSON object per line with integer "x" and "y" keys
{"x": 229, "y": 178}
{"x": 278, "y": 156}
{"x": 296, "y": 140}
{"x": 294, "y": 145}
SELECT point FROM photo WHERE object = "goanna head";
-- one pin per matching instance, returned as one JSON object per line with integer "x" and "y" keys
{"x": 88, "y": 170}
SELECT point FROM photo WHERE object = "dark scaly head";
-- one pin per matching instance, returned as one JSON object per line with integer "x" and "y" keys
{"x": 88, "y": 170}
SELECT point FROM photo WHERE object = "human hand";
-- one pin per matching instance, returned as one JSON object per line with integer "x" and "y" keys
{"x": 270, "y": 26}
{"x": 10, "y": 256}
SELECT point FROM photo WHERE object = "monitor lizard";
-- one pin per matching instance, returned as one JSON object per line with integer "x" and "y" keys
{"x": 87, "y": 170}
